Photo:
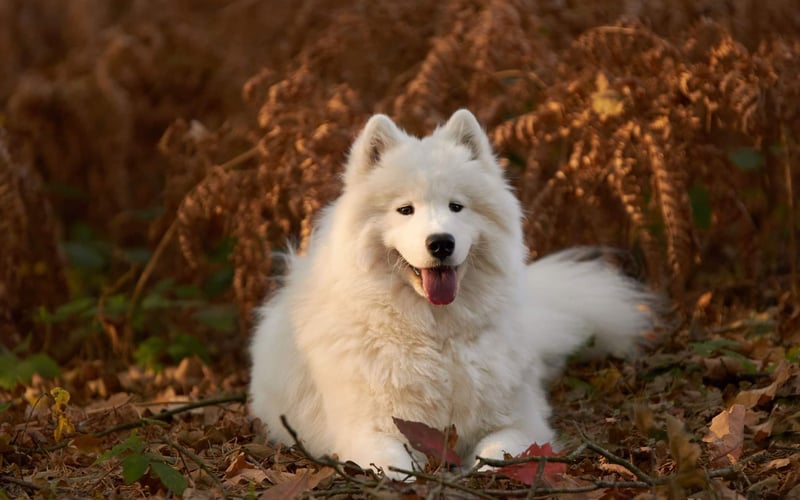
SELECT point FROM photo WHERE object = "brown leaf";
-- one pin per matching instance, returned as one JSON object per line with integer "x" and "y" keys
{"x": 606, "y": 101}
{"x": 527, "y": 472}
{"x": 681, "y": 448}
{"x": 238, "y": 463}
{"x": 86, "y": 443}
{"x": 432, "y": 442}
{"x": 756, "y": 397}
{"x": 643, "y": 418}
{"x": 303, "y": 481}
{"x": 726, "y": 436}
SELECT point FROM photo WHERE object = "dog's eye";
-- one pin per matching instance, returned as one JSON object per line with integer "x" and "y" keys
{"x": 406, "y": 210}
{"x": 456, "y": 207}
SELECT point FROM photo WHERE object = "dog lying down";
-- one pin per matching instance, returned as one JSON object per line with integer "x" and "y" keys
{"x": 415, "y": 300}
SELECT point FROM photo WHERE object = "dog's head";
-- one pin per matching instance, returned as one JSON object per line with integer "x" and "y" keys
{"x": 439, "y": 206}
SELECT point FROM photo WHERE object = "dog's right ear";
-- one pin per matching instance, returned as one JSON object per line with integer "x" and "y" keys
{"x": 379, "y": 135}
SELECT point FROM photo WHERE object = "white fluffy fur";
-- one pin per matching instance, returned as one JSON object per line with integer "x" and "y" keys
{"x": 351, "y": 341}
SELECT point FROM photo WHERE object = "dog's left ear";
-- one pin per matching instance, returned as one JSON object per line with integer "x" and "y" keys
{"x": 464, "y": 129}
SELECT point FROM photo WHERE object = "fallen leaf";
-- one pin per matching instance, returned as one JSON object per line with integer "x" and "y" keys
{"x": 86, "y": 443}
{"x": 763, "y": 431}
{"x": 617, "y": 469}
{"x": 643, "y": 418}
{"x": 606, "y": 380}
{"x": 778, "y": 463}
{"x": 685, "y": 453}
{"x": 238, "y": 463}
{"x": 755, "y": 397}
{"x": 726, "y": 436}
{"x": 303, "y": 481}
{"x": 527, "y": 472}
{"x": 432, "y": 442}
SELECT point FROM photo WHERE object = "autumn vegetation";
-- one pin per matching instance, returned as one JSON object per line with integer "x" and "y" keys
{"x": 155, "y": 156}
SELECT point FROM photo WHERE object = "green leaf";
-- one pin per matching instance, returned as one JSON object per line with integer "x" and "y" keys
{"x": 149, "y": 353}
{"x": 701, "y": 206}
{"x": 171, "y": 478}
{"x": 4, "y": 407}
{"x": 137, "y": 255}
{"x": 116, "y": 305}
{"x": 711, "y": 346}
{"x": 132, "y": 444}
{"x": 43, "y": 365}
{"x": 223, "y": 250}
{"x": 84, "y": 306}
{"x": 155, "y": 301}
{"x": 9, "y": 369}
{"x": 746, "y": 158}
{"x": 14, "y": 369}
{"x": 186, "y": 346}
{"x": 187, "y": 292}
{"x": 163, "y": 286}
{"x": 219, "y": 281}
{"x": 133, "y": 467}
{"x": 84, "y": 255}
{"x": 747, "y": 364}
{"x": 220, "y": 318}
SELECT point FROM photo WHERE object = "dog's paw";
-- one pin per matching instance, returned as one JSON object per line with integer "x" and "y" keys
{"x": 382, "y": 452}
{"x": 497, "y": 444}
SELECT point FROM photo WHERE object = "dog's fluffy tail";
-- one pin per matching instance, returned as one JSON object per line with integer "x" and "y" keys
{"x": 587, "y": 297}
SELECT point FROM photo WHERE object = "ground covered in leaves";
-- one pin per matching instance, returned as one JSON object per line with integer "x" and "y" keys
{"x": 154, "y": 155}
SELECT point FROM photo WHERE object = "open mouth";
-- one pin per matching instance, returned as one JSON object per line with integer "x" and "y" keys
{"x": 439, "y": 284}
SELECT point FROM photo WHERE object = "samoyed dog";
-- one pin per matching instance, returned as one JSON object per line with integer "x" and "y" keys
{"x": 415, "y": 300}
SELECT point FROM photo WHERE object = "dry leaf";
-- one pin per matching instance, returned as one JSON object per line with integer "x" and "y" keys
{"x": 303, "y": 481}
{"x": 778, "y": 463}
{"x": 606, "y": 101}
{"x": 726, "y": 436}
{"x": 756, "y": 397}
{"x": 527, "y": 472}
{"x": 238, "y": 463}
{"x": 432, "y": 442}
{"x": 683, "y": 451}
{"x": 86, "y": 443}
{"x": 643, "y": 418}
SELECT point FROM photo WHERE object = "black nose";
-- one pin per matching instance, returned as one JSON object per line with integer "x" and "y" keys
{"x": 441, "y": 245}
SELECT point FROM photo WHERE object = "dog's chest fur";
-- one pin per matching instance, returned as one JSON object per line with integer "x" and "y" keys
{"x": 440, "y": 381}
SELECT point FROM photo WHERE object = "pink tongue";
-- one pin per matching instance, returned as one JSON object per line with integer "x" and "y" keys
{"x": 440, "y": 284}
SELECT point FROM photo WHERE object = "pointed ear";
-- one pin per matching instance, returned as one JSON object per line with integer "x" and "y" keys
{"x": 464, "y": 129}
{"x": 379, "y": 135}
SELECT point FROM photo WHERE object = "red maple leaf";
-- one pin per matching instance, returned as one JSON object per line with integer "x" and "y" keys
{"x": 432, "y": 442}
{"x": 528, "y": 471}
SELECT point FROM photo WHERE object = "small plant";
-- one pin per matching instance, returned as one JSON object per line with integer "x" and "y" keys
{"x": 136, "y": 461}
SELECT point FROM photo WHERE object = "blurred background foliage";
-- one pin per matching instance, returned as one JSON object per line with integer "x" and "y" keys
{"x": 154, "y": 156}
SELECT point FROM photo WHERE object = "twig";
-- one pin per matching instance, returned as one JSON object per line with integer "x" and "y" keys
{"x": 792, "y": 224}
{"x": 19, "y": 482}
{"x": 567, "y": 459}
{"x": 160, "y": 418}
{"x": 596, "y": 485}
{"x": 142, "y": 281}
{"x": 196, "y": 459}
{"x": 111, "y": 330}
{"x": 325, "y": 460}
{"x": 614, "y": 459}
{"x": 439, "y": 478}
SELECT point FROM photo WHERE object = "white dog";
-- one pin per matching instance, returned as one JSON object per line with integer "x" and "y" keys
{"x": 415, "y": 300}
